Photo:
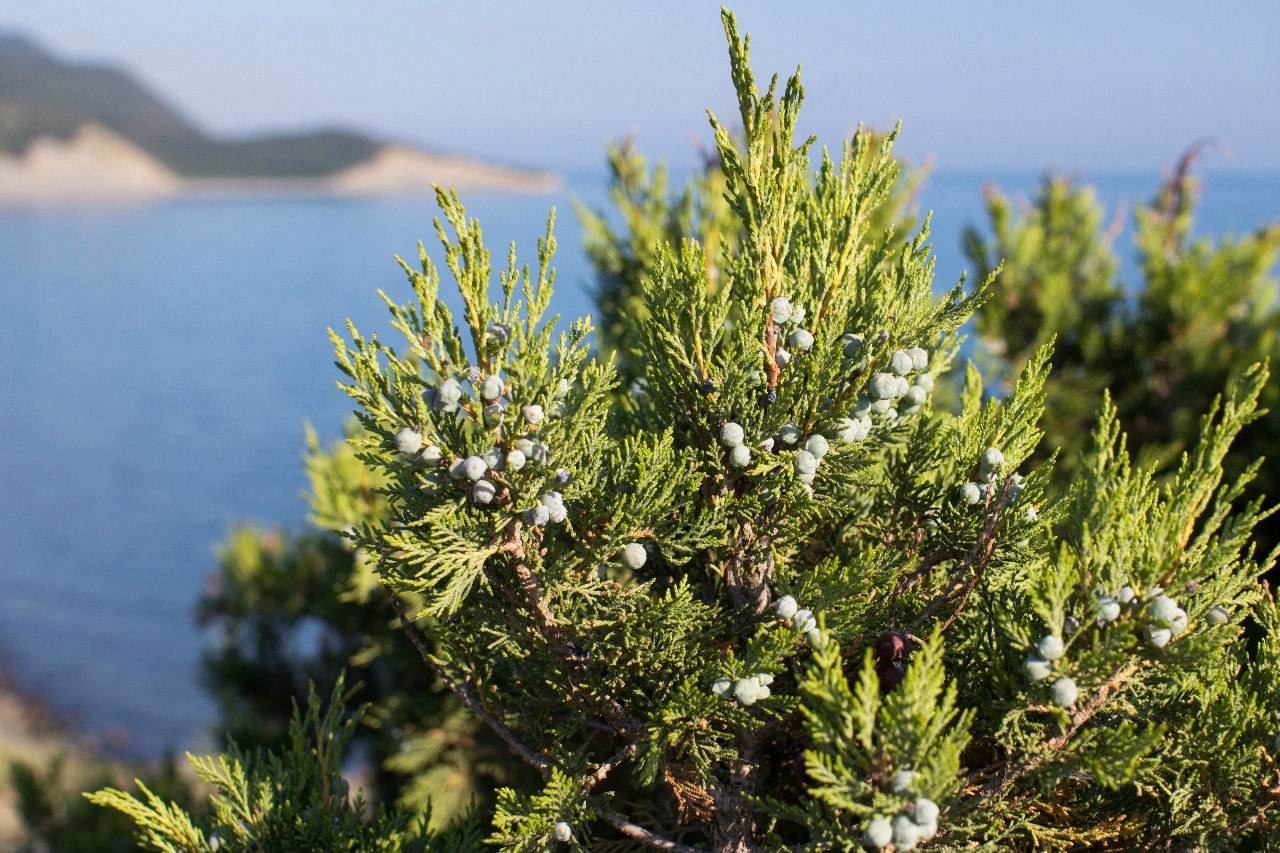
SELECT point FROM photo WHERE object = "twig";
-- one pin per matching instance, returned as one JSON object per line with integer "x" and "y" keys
{"x": 462, "y": 692}
{"x": 535, "y": 597}
{"x": 607, "y": 767}
{"x": 996, "y": 788}
{"x": 639, "y": 833}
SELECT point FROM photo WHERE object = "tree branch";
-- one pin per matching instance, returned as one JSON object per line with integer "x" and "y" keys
{"x": 639, "y": 833}
{"x": 464, "y": 693}
{"x": 996, "y": 788}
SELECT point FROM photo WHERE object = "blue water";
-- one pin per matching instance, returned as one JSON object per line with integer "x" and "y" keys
{"x": 159, "y": 362}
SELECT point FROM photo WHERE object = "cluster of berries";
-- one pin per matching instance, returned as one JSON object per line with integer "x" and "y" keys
{"x": 550, "y": 510}
{"x": 802, "y": 621}
{"x": 748, "y": 691}
{"x": 732, "y": 437}
{"x": 782, "y": 312}
{"x": 906, "y": 829}
{"x": 447, "y": 397}
{"x": 810, "y": 453}
{"x": 1167, "y": 619}
{"x": 892, "y": 386}
{"x": 1039, "y": 665}
{"x": 989, "y": 466}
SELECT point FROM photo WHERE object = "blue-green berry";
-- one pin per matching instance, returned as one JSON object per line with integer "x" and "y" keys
{"x": 970, "y": 493}
{"x": 634, "y": 555}
{"x": 925, "y": 381}
{"x": 449, "y": 393}
{"x": 408, "y": 441}
{"x": 1108, "y": 608}
{"x": 900, "y": 363}
{"x": 878, "y": 833}
{"x": 562, "y": 476}
{"x": 882, "y": 407}
{"x": 817, "y": 445}
{"x": 781, "y": 357}
{"x": 746, "y": 691}
{"x": 554, "y": 503}
{"x": 483, "y": 492}
{"x": 919, "y": 358}
{"x": 499, "y": 333}
{"x": 902, "y": 781}
{"x": 722, "y": 687}
{"x": 431, "y": 453}
{"x": 785, "y": 607}
{"x": 458, "y": 470}
{"x": 853, "y": 429}
{"x": 992, "y": 459}
{"x": 801, "y": 339}
{"x": 537, "y": 516}
{"x": 492, "y": 457}
{"x": 789, "y": 433}
{"x": 861, "y": 408}
{"x": 915, "y": 397}
{"x": 561, "y": 832}
{"x": 1158, "y": 637}
{"x": 740, "y": 456}
{"x": 731, "y": 434}
{"x": 473, "y": 467}
{"x": 1064, "y": 692}
{"x": 1218, "y": 615}
{"x": 780, "y": 310}
{"x": 1051, "y": 647}
{"x": 539, "y": 453}
{"x": 514, "y": 460}
{"x": 493, "y": 414}
{"x": 883, "y": 386}
{"x": 1036, "y": 668}
{"x": 817, "y": 638}
{"x": 797, "y": 314}
{"x": 491, "y": 388}
{"x": 1162, "y": 608}
{"x": 533, "y": 414}
{"x": 1178, "y": 622}
{"x": 906, "y": 835}
{"x": 925, "y": 811}
{"x": 803, "y": 621}
{"x": 851, "y": 344}
{"x": 805, "y": 462}
{"x": 1125, "y": 595}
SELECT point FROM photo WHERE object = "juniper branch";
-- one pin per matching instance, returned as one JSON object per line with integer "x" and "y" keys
{"x": 464, "y": 693}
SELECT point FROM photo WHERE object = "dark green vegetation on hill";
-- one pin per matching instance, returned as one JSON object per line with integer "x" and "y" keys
{"x": 42, "y": 95}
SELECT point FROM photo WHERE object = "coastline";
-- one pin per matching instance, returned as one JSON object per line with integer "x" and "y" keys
{"x": 29, "y": 732}
{"x": 96, "y": 166}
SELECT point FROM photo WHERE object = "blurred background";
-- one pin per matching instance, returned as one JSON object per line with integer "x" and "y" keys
{"x": 191, "y": 193}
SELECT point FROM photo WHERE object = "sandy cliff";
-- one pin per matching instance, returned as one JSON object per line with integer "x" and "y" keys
{"x": 401, "y": 170}
{"x": 93, "y": 165}
{"x": 97, "y": 165}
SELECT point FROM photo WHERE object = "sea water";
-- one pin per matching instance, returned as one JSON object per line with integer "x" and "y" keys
{"x": 158, "y": 362}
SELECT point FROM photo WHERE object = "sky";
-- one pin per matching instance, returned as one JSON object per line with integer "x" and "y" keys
{"x": 1084, "y": 85}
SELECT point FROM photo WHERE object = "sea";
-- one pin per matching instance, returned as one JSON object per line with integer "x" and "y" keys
{"x": 158, "y": 362}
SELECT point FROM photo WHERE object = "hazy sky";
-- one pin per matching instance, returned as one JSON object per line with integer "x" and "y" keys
{"x": 1016, "y": 83}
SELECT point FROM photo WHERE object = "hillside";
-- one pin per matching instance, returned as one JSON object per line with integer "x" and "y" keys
{"x": 46, "y": 99}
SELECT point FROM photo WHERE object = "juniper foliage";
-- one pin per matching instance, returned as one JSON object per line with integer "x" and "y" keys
{"x": 1165, "y": 346}
{"x": 879, "y": 625}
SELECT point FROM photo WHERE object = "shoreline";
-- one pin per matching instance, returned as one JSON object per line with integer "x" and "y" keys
{"x": 96, "y": 166}
{"x": 32, "y": 733}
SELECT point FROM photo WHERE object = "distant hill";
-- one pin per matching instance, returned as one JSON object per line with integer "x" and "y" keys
{"x": 43, "y": 97}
